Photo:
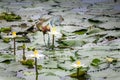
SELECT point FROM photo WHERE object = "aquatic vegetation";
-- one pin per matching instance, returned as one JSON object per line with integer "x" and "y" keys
{"x": 30, "y": 20}
{"x": 6, "y": 40}
{"x": 47, "y": 27}
{"x": 22, "y": 39}
{"x": 29, "y": 63}
{"x": 24, "y": 47}
{"x": 96, "y": 62}
{"x": 87, "y": 49}
{"x": 9, "y": 16}
{"x": 53, "y": 32}
{"x": 81, "y": 70}
{"x": 80, "y": 32}
{"x": 5, "y": 29}
{"x": 94, "y": 21}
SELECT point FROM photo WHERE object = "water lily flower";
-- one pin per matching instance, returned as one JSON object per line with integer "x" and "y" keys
{"x": 36, "y": 54}
{"x": 109, "y": 59}
{"x": 53, "y": 31}
{"x": 14, "y": 34}
{"x": 77, "y": 64}
{"x": 11, "y": 36}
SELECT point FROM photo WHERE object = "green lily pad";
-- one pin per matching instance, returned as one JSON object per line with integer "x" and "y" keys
{"x": 94, "y": 30}
{"x": 65, "y": 66}
{"x": 28, "y": 62}
{"x": 22, "y": 39}
{"x": 94, "y": 21}
{"x": 15, "y": 66}
{"x": 80, "y": 32}
{"x": 6, "y": 40}
{"x": 6, "y": 58}
{"x": 5, "y": 29}
{"x": 50, "y": 78}
{"x": 73, "y": 42}
{"x": 64, "y": 33}
{"x": 51, "y": 65}
{"x": 10, "y": 78}
{"x": 4, "y": 45}
{"x": 74, "y": 75}
{"x": 9, "y": 16}
{"x": 95, "y": 62}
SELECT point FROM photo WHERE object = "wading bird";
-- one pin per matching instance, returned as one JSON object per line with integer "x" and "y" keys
{"x": 45, "y": 25}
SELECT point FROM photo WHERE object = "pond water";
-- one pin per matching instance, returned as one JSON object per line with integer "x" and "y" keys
{"x": 80, "y": 30}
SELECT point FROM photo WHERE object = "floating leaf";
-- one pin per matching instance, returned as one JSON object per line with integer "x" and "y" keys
{"x": 10, "y": 78}
{"x": 95, "y": 62}
{"x": 93, "y": 31}
{"x": 28, "y": 62}
{"x": 6, "y": 58}
{"x": 4, "y": 45}
{"x": 94, "y": 21}
{"x": 22, "y": 39}
{"x": 73, "y": 42}
{"x": 80, "y": 32}
{"x": 65, "y": 66}
{"x": 28, "y": 73}
{"x": 72, "y": 58}
{"x": 6, "y": 40}
{"x": 81, "y": 73}
{"x": 39, "y": 67}
{"x": 5, "y": 29}
{"x": 51, "y": 65}
{"x": 9, "y": 16}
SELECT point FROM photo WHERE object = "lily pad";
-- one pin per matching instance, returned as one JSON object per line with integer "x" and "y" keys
{"x": 6, "y": 40}
{"x": 51, "y": 64}
{"x": 10, "y": 78}
{"x": 5, "y": 57}
{"x": 9, "y": 16}
{"x": 80, "y": 32}
{"x": 94, "y": 21}
{"x": 93, "y": 31}
{"x": 81, "y": 73}
{"x": 49, "y": 78}
{"x": 95, "y": 62}
{"x": 5, "y": 29}
{"x": 28, "y": 62}
{"x": 22, "y": 39}
{"x": 65, "y": 66}
{"x": 73, "y": 42}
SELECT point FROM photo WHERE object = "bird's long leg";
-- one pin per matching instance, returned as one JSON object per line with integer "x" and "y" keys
{"x": 48, "y": 40}
{"x": 44, "y": 40}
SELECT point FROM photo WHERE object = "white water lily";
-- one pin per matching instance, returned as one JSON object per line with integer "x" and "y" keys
{"x": 11, "y": 36}
{"x": 109, "y": 59}
{"x": 14, "y": 34}
{"x": 77, "y": 64}
{"x": 53, "y": 31}
{"x": 37, "y": 55}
